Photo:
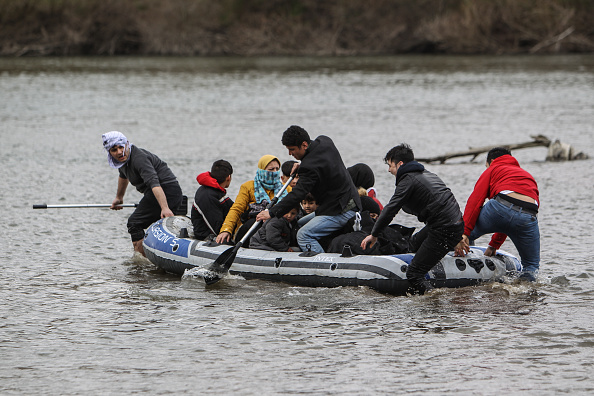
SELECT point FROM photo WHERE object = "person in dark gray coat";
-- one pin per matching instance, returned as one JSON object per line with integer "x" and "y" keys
{"x": 276, "y": 233}
{"x": 150, "y": 175}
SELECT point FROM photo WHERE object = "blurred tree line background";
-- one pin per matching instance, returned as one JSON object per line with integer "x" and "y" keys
{"x": 294, "y": 27}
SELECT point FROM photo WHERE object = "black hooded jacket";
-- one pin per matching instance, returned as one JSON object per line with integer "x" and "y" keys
{"x": 362, "y": 175}
{"x": 211, "y": 205}
{"x": 322, "y": 173}
{"x": 423, "y": 194}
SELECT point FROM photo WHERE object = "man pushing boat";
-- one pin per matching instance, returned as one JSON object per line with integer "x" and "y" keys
{"x": 150, "y": 175}
{"x": 512, "y": 210}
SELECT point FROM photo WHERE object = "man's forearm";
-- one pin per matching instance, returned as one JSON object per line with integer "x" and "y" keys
{"x": 160, "y": 196}
{"x": 122, "y": 186}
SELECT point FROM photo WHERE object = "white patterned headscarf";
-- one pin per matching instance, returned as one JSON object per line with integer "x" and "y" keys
{"x": 115, "y": 138}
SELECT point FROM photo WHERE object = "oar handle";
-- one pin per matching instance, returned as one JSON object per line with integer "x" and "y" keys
{"x": 46, "y": 206}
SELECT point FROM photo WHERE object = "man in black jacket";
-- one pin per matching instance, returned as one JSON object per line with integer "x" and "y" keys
{"x": 211, "y": 203}
{"x": 321, "y": 172}
{"x": 423, "y": 194}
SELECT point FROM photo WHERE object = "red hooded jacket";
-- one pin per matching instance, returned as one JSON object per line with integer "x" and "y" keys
{"x": 503, "y": 174}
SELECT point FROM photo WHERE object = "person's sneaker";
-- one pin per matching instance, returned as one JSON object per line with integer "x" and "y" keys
{"x": 528, "y": 276}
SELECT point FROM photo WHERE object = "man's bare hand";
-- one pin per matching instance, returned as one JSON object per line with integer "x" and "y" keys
{"x": 463, "y": 247}
{"x": 369, "y": 239}
{"x": 115, "y": 204}
{"x": 490, "y": 251}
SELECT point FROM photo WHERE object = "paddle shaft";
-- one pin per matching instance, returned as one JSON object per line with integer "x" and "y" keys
{"x": 45, "y": 206}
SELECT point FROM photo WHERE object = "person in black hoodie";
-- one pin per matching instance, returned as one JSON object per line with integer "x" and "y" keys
{"x": 321, "y": 172}
{"x": 211, "y": 203}
{"x": 421, "y": 193}
{"x": 364, "y": 180}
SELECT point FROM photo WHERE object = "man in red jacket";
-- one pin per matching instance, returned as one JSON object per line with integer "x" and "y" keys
{"x": 511, "y": 211}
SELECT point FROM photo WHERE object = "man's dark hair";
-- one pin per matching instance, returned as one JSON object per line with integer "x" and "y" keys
{"x": 403, "y": 152}
{"x": 287, "y": 167}
{"x": 220, "y": 170}
{"x": 496, "y": 153}
{"x": 294, "y": 136}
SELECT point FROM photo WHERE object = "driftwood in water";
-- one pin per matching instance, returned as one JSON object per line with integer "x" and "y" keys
{"x": 537, "y": 141}
{"x": 557, "y": 151}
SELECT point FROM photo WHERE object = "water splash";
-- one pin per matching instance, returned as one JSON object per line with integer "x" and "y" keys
{"x": 202, "y": 273}
{"x": 208, "y": 276}
{"x": 199, "y": 273}
{"x": 511, "y": 288}
{"x": 561, "y": 280}
{"x": 138, "y": 259}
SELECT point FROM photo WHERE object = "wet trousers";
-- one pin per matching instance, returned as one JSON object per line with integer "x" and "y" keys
{"x": 430, "y": 245}
{"x": 148, "y": 210}
{"x": 520, "y": 226}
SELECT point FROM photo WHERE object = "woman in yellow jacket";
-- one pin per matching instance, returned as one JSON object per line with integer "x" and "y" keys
{"x": 263, "y": 188}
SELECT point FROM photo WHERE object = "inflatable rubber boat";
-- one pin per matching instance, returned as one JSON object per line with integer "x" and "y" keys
{"x": 168, "y": 245}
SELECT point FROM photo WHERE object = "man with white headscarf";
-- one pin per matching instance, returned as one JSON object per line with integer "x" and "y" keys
{"x": 150, "y": 175}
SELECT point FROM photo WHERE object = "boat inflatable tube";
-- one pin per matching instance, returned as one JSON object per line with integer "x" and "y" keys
{"x": 168, "y": 245}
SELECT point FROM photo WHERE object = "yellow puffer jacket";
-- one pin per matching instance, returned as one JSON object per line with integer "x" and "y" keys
{"x": 245, "y": 197}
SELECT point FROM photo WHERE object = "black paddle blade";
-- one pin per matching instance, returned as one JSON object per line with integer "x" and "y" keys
{"x": 218, "y": 268}
{"x": 211, "y": 278}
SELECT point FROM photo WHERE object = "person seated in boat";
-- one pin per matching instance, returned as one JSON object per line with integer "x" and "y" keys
{"x": 421, "y": 193}
{"x": 211, "y": 202}
{"x": 321, "y": 172}
{"x": 308, "y": 209}
{"x": 364, "y": 180}
{"x": 286, "y": 169}
{"x": 254, "y": 195}
{"x": 276, "y": 233}
{"x": 512, "y": 210}
{"x": 150, "y": 175}
{"x": 309, "y": 203}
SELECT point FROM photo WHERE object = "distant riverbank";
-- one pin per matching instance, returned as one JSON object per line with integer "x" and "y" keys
{"x": 294, "y": 27}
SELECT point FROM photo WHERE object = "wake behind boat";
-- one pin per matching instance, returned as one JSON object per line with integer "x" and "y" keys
{"x": 168, "y": 246}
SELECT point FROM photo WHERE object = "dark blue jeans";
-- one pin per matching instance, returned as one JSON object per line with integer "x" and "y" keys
{"x": 318, "y": 227}
{"x": 521, "y": 227}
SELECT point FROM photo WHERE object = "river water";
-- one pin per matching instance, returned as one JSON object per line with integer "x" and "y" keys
{"x": 80, "y": 315}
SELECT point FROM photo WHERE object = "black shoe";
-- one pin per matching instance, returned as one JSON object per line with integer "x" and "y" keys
{"x": 419, "y": 286}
